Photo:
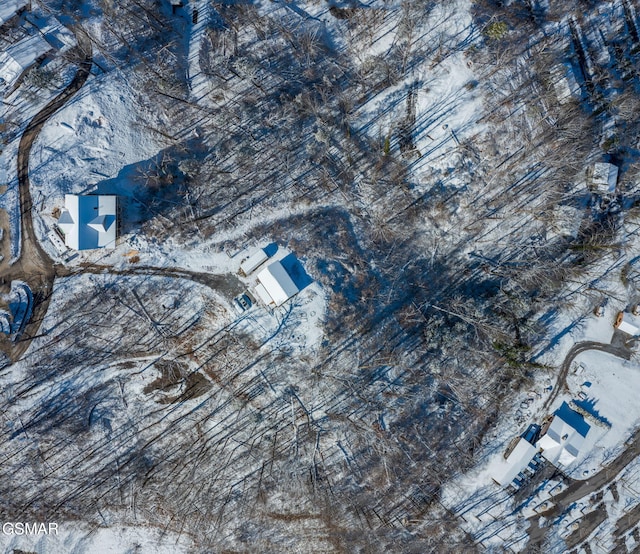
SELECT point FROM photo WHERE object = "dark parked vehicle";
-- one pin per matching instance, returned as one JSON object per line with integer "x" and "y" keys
{"x": 531, "y": 434}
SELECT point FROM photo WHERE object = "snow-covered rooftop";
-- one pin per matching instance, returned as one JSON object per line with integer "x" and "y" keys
{"x": 54, "y": 32}
{"x": 8, "y": 8}
{"x": 276, "y": 283}
{"x": 21, "y": 56}
{"x": 562, "y": 442}
{"x": 89, "y": 221}
{"x": 605, "y": 177}
{"x": 253, "y": 261}
{"x": 507, "y": 470}
{"x": 627, "y": 323}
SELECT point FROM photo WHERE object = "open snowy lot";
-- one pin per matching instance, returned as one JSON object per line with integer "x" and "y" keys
{"x": 608, "y": 389}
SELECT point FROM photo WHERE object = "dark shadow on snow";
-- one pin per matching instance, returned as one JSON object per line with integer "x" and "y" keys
{"x": 589, "y": 406}
{"x": 270, "y": 249}
{"x": 573, "y": 418}
{"x": 295, "y": 270}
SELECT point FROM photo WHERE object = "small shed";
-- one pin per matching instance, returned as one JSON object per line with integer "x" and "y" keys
{"x": 21, "y": 56}
{"x": 250, "y": 264}
{"x": 275, "y": 286}
{"x": 53, "y": 31}
{"x": 628, "y": 324}
{"x": 605, "y": 177}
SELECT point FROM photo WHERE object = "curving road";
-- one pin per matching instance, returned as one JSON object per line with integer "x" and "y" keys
{"x": 36, "y": 267}
{"x": 228, "y": 283}
{"x": 579, "y": 489}
{"x": 33, "y": 264}
{"x": 578, "y": 348}
{"x": 30, "y": 249}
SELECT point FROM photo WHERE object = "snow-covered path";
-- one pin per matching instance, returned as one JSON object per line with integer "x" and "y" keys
{"x": 200, "y": 11}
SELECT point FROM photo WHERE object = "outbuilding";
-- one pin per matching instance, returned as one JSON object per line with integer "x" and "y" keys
{"x": 275, "y": 286}
{"x": 517, "y": 461}
{"x": 19, "y": 57}
{"x": 627, "y": 323}
{"x": 254, "y": 261}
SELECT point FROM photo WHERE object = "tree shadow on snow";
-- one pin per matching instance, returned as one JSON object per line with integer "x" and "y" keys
{"x": 149, "y": 188}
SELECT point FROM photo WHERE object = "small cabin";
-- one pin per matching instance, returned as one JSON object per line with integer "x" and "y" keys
{"x": 628, "y": 324}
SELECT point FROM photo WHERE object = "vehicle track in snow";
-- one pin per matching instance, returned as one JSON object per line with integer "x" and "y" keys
{"x": 33, "y": 265}
{"x": 576, "y": 349}
{"x": 578, "y": 489}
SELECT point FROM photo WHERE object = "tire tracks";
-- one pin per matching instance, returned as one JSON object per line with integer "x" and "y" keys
{"x": 579, "y": 489}
{"x": 33, "y": 264}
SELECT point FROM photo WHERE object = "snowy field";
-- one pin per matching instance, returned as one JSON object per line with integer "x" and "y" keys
{"x": 71, "y": 537}
{"x": 610, "y": 388}
{"x": 445, "y": 104}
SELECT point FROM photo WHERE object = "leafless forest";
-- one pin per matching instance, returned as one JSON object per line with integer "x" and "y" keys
{"x": 139, "y": 403}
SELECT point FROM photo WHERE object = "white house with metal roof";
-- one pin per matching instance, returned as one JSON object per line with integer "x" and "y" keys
{"x": 89, "y": 221}
{"x": 275, "y": 286}
{"x": 564, "y": 437}
{"x": 520, "y": 457}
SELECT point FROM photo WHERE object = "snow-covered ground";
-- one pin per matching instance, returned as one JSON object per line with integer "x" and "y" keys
{"x": 96, "y": 138}
{"x": 9, "y": 200}
{"x": 446, "y": 100}
{"x": 296, "y": 326}
{"x": 21, "y": 106}
{"x": 611, "y": 387}
{"x": 92, "y": 138}
{"x": 104, "y": 139}
{"x": 200, "y": 13}
{"x": 73, "y": 536}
